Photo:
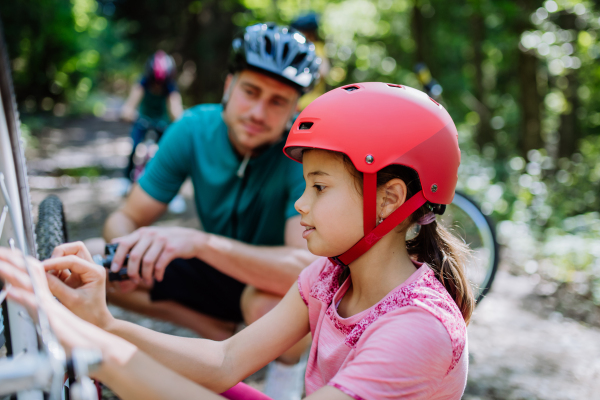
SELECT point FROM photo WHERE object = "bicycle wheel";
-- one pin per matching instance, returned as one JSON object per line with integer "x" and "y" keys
{"x": 464, "y": 218}
{"x": 51, "y": 229}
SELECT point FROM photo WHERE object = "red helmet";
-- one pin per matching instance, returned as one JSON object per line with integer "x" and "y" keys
{"x": 376, "y": 125}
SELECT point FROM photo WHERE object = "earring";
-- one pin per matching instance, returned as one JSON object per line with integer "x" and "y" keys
{"x": 381, "y": 213}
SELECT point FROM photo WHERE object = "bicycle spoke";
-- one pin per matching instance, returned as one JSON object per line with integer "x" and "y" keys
{"x": 11, "y": 211}
{"x": 4, "y": 292}
{"x": 3, "y": 219}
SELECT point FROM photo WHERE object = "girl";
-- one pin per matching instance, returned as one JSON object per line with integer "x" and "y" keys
{"x": 388, "y": 304}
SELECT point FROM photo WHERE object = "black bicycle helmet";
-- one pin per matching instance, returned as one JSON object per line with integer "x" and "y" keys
{"x": 306, "y": 23}
{"x": 281, "y": 52}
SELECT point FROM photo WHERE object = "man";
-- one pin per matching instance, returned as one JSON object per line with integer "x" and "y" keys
{"x": 252, "y": 250}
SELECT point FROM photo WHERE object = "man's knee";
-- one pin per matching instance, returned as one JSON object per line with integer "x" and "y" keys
{"x": 255, "y": 303}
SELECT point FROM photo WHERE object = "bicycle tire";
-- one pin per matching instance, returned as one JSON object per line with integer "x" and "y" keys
{"x": 465, "y": 219}
{"x": 51, "y": 229}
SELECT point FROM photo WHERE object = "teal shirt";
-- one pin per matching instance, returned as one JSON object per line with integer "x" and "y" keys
{"x": 252, "y": 209}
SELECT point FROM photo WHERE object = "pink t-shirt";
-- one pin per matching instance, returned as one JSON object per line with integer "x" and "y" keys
{"x": 410, "y": 345}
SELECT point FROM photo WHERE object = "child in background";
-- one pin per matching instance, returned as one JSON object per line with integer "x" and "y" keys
{"x": 388, "y": 303}
{"x": 154, "y": 101}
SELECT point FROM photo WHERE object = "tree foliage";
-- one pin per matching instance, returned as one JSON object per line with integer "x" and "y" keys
{"x": 519, "y": 78}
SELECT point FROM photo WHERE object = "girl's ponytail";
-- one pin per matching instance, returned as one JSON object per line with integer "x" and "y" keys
{"x": 446, "y": 255}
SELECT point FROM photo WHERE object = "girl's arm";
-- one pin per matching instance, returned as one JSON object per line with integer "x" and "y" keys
{"x": 220, "y": 365}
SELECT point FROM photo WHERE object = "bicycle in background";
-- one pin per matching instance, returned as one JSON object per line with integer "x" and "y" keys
{"x": 464, "y": 216}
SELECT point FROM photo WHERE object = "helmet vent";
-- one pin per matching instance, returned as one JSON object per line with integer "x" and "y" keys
{"x": 286, "y": 49}
{"x": 436, "y": 103}
{"x": 305, "y": 125}
{"x": 268, "y": 46}
{"x": 298, "y": 59}
{"x": 351, "y": 88}
{"x": 395, "y": 86}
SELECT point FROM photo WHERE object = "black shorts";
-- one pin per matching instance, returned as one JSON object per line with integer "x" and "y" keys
{"x": 202, "y": 288}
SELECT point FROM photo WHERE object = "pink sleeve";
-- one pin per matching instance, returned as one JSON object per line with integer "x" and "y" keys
{"x": 404, "y": 355}
{"x": 308, "y": 276}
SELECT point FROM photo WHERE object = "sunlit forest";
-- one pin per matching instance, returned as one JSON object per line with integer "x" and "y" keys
{"x": 520, "y": 79}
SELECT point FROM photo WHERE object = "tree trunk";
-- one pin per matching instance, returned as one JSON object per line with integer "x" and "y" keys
{"x": 531, "y": 134}
{"x": 568, "y": 131}
{"x": 531, "y": 128}
{"x": 484, "y": 130}
{"x": 569, "y": 134}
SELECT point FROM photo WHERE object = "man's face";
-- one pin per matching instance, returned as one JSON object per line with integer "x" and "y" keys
{"x": 257, "y": 110}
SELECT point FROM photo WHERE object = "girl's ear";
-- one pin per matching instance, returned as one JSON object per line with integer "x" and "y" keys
{"x": 393, "y": 196}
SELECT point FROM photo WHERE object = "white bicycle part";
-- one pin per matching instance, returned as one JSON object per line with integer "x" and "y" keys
{"x": 35, "y": 365}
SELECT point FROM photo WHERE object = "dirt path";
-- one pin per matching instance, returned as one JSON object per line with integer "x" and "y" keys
{"x": 515, "y": 353}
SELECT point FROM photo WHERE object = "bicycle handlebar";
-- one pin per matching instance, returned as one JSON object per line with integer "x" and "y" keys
{"x": 109, "y": 252}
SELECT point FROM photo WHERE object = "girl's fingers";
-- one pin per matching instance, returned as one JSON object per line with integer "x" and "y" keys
{"x": 73, "y": 281}
{"x": 25, "y": 298}
{"x": 12, "y": 257}
{"x": 63, "y": 275}
{"x": 63, "y": 293}
{"x": 74, "y": 264}
{"x": 15, "y": 276}
{"x": 75, "y": 248}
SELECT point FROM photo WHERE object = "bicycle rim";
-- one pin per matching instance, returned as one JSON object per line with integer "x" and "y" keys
{"x": 464, "y": 218}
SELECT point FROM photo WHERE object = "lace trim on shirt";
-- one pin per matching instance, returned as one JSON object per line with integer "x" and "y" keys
{"x": 345, "y": 329}
{"x": 426, "y": 292}
{"x": 347, "y": 391}
{"x": 327, "y": 283}
{"x": 301, "y": 293}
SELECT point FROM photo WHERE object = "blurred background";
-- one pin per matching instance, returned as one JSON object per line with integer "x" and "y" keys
{"x": 520, "y": 79}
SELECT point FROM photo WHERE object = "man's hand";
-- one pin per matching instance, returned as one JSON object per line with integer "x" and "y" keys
{"x": 151, "y": 249}
{"x": 78, "y": 283}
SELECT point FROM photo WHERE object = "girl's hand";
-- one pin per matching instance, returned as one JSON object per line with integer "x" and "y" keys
{"x": 13, "y": 271}
{"x": 79, "y": 283}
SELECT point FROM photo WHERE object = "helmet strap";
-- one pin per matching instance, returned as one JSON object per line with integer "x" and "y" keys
{"x": 374, "y": 233}
{"x": 369, "y": 202}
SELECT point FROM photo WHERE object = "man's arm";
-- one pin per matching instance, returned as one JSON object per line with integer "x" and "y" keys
{"x": 140, "y": 209}
{"x": 272, "y": 269}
